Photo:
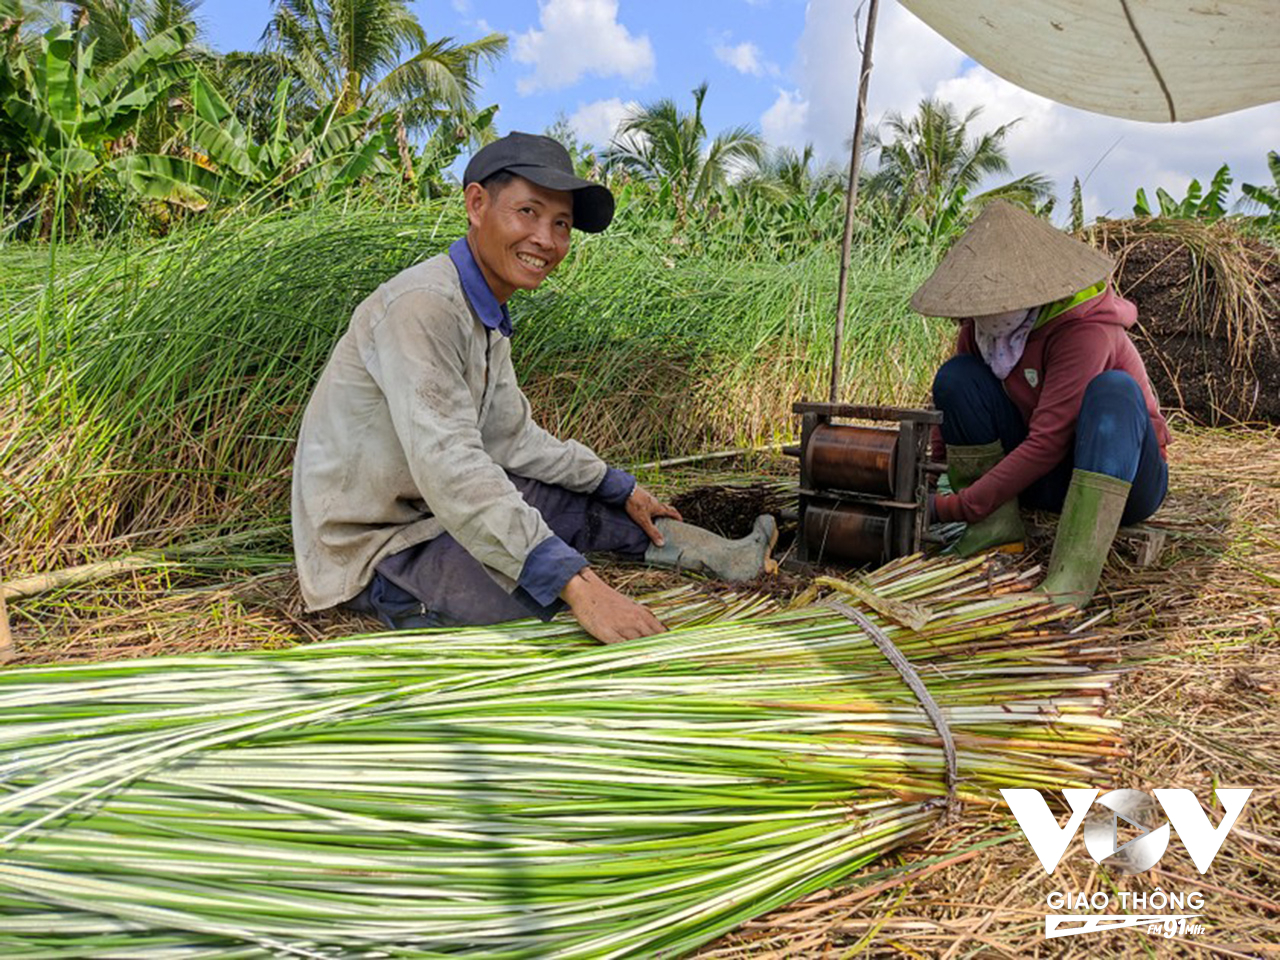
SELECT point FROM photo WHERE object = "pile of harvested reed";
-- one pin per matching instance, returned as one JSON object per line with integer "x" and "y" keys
{"x": 519, "y": 792}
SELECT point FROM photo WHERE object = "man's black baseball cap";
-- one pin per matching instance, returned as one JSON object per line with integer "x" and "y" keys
{"x": 545, "y": 162}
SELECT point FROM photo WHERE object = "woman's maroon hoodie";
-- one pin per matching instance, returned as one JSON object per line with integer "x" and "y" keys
{"x": 1047, "y": 387}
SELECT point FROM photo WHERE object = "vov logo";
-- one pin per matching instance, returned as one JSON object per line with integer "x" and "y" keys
{"x": 1139, "y": 811}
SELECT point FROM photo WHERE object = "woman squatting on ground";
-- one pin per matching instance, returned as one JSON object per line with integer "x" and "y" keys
{"x": 1046, "y": 403}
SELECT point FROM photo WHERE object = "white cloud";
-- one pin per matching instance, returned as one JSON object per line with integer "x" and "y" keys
{"x": 580, "y": 37}
{"x": 911, "y": 62}
{"x": 785, "y": 123}
{"x": 1064, "y": 142}
{"x": 596, "y": 123}
{"x": 744, "y": 57}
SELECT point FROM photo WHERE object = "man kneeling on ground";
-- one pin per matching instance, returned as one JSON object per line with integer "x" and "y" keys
{"x": 423, "y": 492}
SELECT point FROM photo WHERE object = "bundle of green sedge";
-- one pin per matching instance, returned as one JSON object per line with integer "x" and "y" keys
{"x": 519, "y": 791}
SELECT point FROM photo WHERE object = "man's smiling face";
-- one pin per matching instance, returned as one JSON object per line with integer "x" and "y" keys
{"x": 519, "y": 233}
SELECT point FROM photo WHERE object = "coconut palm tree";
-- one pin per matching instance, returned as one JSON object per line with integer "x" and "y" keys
{"x": 784, "y": 200}
{"x": 375, "y": 53}
{"x": 23, "y": 22}
{"x": 784, "y": 173}
{"x": 929, "y": 161}
{"x": 664, "y": 146}
{"x": 118, "y": 27}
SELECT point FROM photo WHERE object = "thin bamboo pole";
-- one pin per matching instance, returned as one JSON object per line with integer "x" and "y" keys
{"x": 75, "y": 576}
{"x": 84, "y": 573}
{"x": 700, "y": 457}
{"x": 6, "y": 638}
{"x": 851, "y": 197}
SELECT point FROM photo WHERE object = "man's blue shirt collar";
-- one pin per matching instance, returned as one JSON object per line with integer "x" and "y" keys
{"x": 493, "y": 314}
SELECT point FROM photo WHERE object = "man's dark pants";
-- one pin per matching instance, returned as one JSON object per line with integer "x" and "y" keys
{"x": 438, "y": 583}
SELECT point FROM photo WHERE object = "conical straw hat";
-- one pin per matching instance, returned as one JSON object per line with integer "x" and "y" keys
{"x": 1009, "y": 260}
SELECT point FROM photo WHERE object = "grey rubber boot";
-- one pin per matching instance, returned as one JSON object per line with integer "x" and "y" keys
{"x": 692, "y": 548}
{"x": 1090, "y": 518}
{"x": 1002, "y": 528}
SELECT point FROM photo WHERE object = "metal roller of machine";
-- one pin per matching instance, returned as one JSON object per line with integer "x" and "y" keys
{"x": 863, "y": 489}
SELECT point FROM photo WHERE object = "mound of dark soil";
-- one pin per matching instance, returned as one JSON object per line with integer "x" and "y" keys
{"x": 730, "y": 510}
{"x": 1211, "y": 342}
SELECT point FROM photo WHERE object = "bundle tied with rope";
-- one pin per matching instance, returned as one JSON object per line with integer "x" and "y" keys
{"x": 522, "y": 791}
{"x": 913, "y": 681}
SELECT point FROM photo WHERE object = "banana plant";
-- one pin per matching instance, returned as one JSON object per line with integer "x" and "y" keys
{"x": 223, "y": 162}
{"x": 1266, "y": 198}
{"x": 1198, "y": 204}
{"x": 63, "y": 117}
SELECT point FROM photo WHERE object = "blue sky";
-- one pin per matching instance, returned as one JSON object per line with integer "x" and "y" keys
{"x": 788, "y": 69}
{"x": 658, "y": 49}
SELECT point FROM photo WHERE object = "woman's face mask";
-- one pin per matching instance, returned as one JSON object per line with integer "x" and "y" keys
{"x": 1001, "y": 338}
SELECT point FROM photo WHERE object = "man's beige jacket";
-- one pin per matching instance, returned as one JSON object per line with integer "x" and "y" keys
{"x": 411, "y": 431}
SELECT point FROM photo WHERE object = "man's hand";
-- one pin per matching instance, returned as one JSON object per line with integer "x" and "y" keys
{"x": 643, "y": 507}
{"x": 605, "y": 613}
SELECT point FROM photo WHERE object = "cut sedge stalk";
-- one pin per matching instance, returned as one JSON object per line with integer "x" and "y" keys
{"x": 518, "y": 791}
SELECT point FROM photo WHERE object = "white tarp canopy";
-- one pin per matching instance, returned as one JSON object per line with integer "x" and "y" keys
{"x": 1159, "y": 60}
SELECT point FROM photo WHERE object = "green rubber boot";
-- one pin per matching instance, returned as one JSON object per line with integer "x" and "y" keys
{"x": 1002, "y": 529}
{"x": 692, "y": 548}
{"x": 1090, "y": 518}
